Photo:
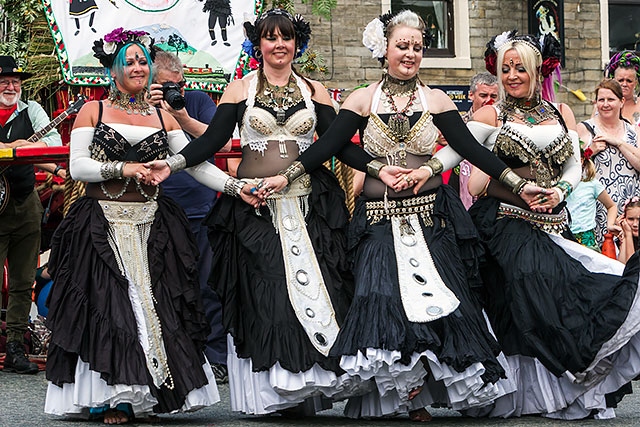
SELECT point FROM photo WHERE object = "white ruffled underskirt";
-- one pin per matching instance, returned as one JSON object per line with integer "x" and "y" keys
{"x": 91, "y": 391}
{"x": 578, "y": 395}
{"x": 394, "y": 381}
{"x": 264, "y": 392}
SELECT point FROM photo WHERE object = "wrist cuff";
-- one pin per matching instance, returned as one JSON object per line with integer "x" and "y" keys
{"x": 435, "y": 165}
{"x": 176, "y": 163}
{"x": 513, "y": 181}
{"x": 294, "y": 171}
{"x": 374, "y": 167}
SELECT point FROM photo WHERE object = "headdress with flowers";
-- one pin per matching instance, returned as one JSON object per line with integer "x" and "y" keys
{"x": 547, "y": 47}
{"x": 300, "y": 26}
{"x": 625, "y": 59}
{"x": 107, "y": 48}
{"x": 632, "y": 200}
{"x": 374, "y": 36}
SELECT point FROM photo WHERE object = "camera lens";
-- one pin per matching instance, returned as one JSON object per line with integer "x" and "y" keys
{"x": 173, "y": 96}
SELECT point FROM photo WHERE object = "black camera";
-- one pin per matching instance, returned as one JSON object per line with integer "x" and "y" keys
{"x": 172, "y": 94}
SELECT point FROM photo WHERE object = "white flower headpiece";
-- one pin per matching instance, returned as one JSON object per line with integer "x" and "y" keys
{"x": 373, "y": 38}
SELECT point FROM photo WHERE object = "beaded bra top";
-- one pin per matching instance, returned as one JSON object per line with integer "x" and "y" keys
{"x": 379, "y": 141}
{"x": 260, "y": 126}
{"x": 519, "y": 144}
{"x": 109, "y": 145}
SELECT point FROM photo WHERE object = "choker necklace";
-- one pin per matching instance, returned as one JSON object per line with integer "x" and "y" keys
{"x": 397, "y": 87}
{"x": 131, "y": 104}
{"x": 530, "y": 111}
{"x": 279, "y": 98}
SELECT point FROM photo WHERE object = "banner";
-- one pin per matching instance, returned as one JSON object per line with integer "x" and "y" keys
{"x": 207, "y": 35}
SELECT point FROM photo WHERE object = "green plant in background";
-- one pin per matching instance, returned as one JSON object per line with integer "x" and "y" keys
{"x": 17, "y": 15}
{"x": 25, "y": 36}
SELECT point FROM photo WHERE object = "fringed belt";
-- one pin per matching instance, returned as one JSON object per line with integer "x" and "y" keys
{"x": 425, "y": 297}
{"x": 549, "y": 223}
{"x": 129, "y": 229}
{"x": 305, "y": 285}
{"x": 419, "y": 205}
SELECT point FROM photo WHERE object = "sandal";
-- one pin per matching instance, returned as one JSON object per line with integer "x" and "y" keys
{"x": 420, "y": 415}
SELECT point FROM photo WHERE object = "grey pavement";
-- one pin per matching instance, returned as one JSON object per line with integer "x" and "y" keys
{"x": 22, "y": 400}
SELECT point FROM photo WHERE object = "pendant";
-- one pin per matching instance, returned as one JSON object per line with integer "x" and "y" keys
{"x": 399, "y": 126}
{"x": 280, "y": 117}
{"x": 283, "y": 150}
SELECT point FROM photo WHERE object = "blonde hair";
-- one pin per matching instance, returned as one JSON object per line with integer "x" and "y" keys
{"x": 531, "y": 61}
{"x": 588, "y": 170}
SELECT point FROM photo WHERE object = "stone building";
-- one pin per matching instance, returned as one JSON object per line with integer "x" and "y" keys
{"x": 469, "y": 24}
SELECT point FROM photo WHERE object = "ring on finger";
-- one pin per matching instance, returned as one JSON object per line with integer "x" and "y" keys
{"x": 543, "y": 200}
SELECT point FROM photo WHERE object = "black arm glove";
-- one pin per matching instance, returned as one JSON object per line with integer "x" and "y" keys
{"x": 325, "y": 114}
{"x": 334, "y": 139}
{"x": 214, "y": 138}
{"x": 462, "y": 141}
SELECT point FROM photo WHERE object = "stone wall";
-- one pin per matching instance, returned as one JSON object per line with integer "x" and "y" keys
{"x": 350, "y": 64}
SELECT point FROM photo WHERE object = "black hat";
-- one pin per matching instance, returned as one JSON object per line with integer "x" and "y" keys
{"x": 8, "y": 66}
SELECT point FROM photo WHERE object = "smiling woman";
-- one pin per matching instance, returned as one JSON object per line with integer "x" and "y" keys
{"x": 125, "y": 314}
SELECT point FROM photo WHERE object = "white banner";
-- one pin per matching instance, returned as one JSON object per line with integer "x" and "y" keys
{"x": 209, "y": 43}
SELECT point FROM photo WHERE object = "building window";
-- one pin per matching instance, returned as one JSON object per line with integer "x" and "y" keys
{"x": 438, "y": 15}
{"x": 624, "y": 25}
{"x": 451, "y": 44}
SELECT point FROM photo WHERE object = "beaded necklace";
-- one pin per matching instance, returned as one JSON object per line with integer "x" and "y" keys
{"x": 279, "y": 98}
{"x": 530, "y": 111}
{"x": 399, "y": 125}
{"x": 131, "y": 104}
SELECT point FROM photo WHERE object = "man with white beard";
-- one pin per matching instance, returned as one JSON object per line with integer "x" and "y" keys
{"x": 20, "y": 208}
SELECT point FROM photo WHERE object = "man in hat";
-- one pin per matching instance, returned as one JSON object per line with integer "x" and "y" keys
{"x": 20, "y": 208}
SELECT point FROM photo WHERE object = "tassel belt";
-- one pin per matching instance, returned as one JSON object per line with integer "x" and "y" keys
{"x": 549, "y": 223}
{"x": 419, "y": 205}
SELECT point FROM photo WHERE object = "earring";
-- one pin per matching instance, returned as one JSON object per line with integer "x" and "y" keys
{"x": 258, "y": 54}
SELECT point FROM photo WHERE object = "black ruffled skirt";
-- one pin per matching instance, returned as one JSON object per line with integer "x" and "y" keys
{"x": 248, "y": 274}
{"x": 377, "y": 320}
{"x": 90, "y": 312}
{"x": 543, "y": 303}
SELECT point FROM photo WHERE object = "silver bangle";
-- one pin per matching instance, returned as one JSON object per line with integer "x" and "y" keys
{"x": 176, "y": 163}
{"x": 233, "y": 187}
{"x": 119, "y": 170}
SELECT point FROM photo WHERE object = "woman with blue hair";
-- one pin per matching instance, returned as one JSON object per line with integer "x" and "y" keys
{"x": 128, "y": 328}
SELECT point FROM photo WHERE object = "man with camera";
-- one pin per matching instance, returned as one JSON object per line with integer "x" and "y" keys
{"x": 193, "y": 110}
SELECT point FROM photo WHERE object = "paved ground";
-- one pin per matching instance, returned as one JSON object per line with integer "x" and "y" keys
{"x": 22, "y": 400}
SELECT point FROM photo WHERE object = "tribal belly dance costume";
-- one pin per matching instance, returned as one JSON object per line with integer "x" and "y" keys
{"x": 415, "y": 321}
{"x": 125, "y": 314}
{"x": 567, "y": 317}
{"x": 280, "y": 271}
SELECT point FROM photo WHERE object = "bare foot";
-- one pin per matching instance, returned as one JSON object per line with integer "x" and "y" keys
{"x": 420, "y": 415}
{"x": 414, "y": 392}
{"x": 113, "y": 416}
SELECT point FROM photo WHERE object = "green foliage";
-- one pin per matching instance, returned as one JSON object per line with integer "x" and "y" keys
{"x": 311, "y": 62}
{"x": 20, "y": 14}
{"x": 322, "y": 8}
